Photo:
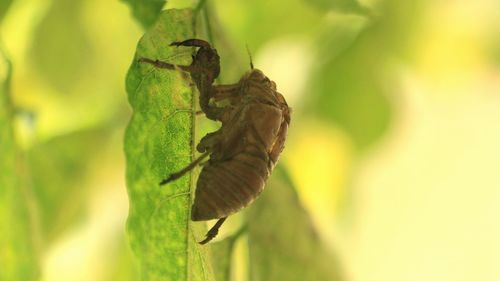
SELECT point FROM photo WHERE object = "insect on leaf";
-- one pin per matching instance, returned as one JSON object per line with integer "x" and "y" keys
{"x": 158, "y": 142}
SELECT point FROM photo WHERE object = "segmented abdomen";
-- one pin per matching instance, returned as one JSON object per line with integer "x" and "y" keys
{"x": 226, "y": 187}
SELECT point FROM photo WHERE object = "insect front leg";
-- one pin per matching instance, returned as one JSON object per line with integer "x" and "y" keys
{"x": 165, "y": 65}
{"x": 182, "y": 172}
{"x": 208, "y": 142}
{"x": 226, "y": 91}
{"x": 216, "y": 100}
{"x": 193, "y": 43}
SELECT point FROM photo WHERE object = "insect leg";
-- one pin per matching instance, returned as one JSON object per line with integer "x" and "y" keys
{"x": 165, "y": 65}
{"x": 203, "y": 163}
{"x": 192, "y": 42}
{"x": 226, "y": 91}
{"x": 218, "y": 93}
{"x": 182, "y": 172}
{"x": 213, "y": 231}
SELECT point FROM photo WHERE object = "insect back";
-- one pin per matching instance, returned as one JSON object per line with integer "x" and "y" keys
{"x": 243, "y": 152}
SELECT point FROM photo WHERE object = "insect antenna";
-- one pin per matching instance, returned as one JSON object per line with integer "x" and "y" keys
{"x": 213, "y": 231}
{"x": 250, "y": 56}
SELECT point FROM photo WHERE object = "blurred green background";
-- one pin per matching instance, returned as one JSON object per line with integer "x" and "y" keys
{"x": 394, "y": 143}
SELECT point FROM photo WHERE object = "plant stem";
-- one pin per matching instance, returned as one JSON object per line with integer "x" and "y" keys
{"x": 199, "y": 6}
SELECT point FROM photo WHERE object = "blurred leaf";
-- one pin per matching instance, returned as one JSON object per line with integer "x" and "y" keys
{"x": 18, "y": 258}
{"x": 84, "y": 69}
{"x": 244, "y": 18}
{"x": 4, "y": 7}
{"x": 349, "y": 6}
{"x": 352, "y": 94}
{"x": 221, "y": 258}
{"x": 146, "y": 11}
{"x": 255, "y": 23}
{"x": 222, "y": 255}
{"x": 61, "y": 45}
{"x": 283, "y": 243}
{"x": 60, "y": 168}
{"x": 494, "y": 50}
{"x": 158, "y": 142}
{"x": 339, "y": 32}
{"x": 352, "y": 86}
{"x": 123, "y": 266}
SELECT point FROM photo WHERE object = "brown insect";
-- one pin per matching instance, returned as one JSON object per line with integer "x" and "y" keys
{"x": 244, "y": 151}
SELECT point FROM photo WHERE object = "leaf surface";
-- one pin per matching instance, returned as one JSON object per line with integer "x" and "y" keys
{"x": 158, "y": 142}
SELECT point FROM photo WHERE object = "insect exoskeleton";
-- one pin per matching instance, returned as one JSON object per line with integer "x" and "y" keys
{"x": 244, "y": 151}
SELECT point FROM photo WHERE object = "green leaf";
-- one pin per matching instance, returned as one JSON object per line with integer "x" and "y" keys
{"x": 283, "y": 243}
{"x": 146, "y": 11}
{"x": 158, "y": 142}
{"x": 17, "y": 251}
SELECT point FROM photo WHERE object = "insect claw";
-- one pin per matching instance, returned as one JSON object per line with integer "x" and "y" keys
{"x": 175, "y": 176}
{"x": 213, "y": 231}
{"x": 205, "y": 241}
{"x": 192, "y": 42}
{"x": 165, "y": 181}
